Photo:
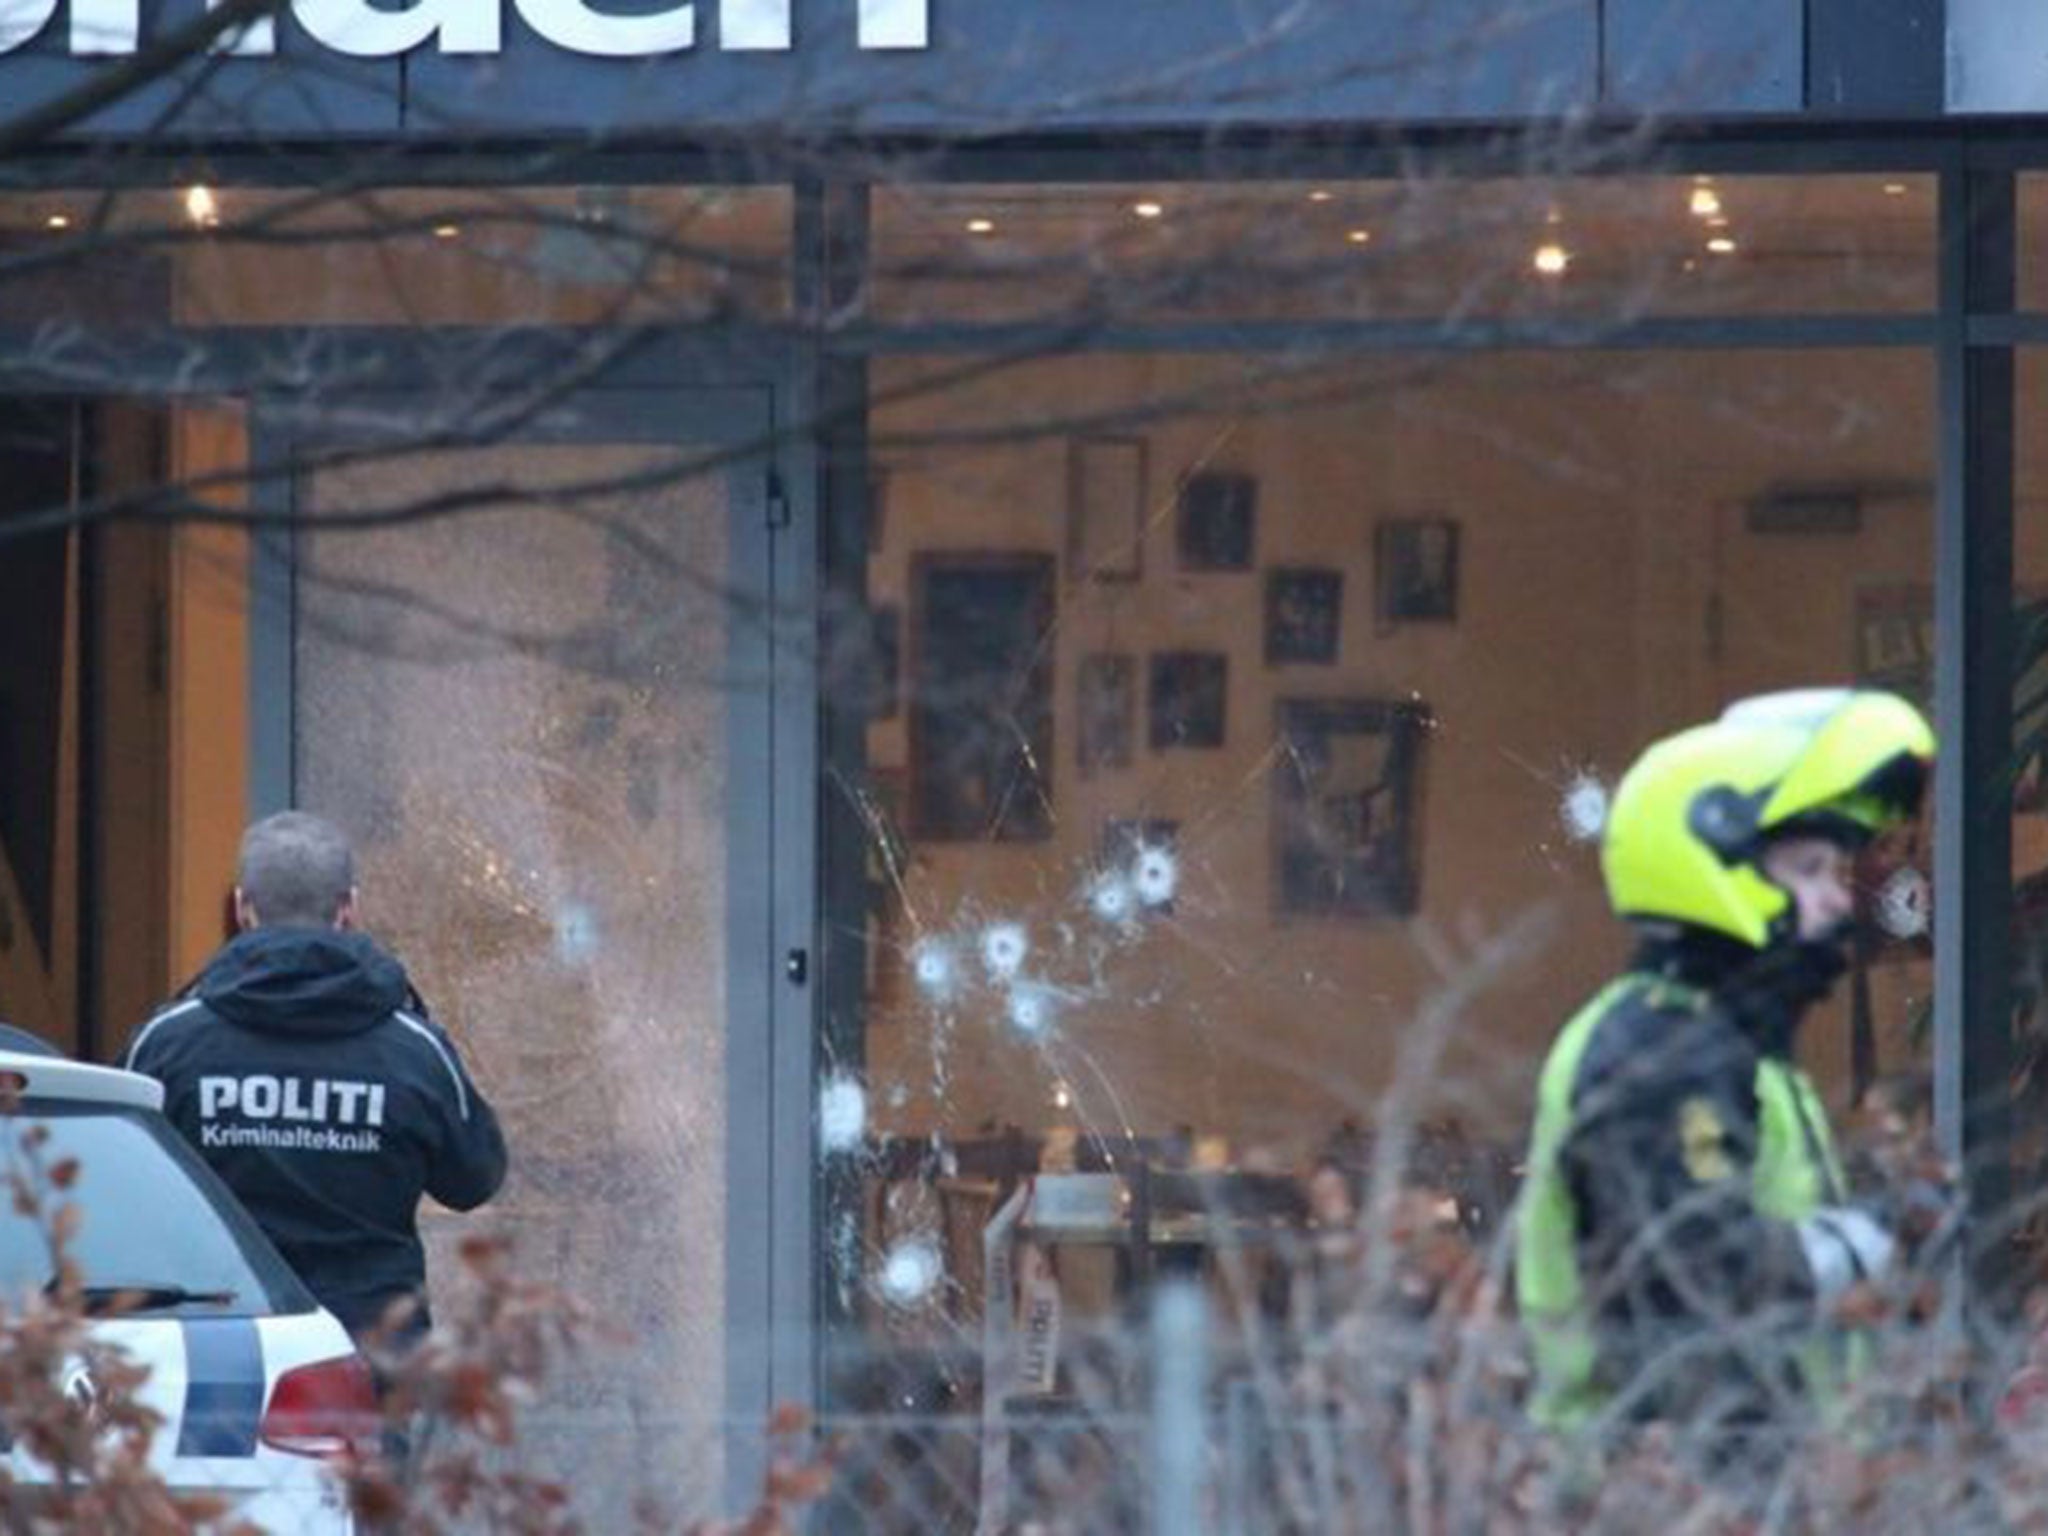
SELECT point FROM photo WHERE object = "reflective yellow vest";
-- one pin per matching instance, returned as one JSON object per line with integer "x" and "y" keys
{"x": 1795, "y": 1172}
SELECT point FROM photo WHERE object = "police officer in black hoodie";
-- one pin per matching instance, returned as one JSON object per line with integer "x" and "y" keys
{"x": 305, "y": 1071}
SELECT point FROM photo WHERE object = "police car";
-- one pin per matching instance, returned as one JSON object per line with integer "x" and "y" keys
{"x": 255, "y": 1384}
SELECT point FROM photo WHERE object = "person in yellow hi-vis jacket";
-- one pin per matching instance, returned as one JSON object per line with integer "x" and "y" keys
{"x": 1684, "y": 1230}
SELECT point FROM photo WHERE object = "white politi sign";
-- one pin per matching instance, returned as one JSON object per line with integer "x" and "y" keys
{"x": 104, "y": 28}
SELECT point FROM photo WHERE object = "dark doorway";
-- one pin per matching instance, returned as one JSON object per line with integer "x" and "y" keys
{"x": 83, "y": 731}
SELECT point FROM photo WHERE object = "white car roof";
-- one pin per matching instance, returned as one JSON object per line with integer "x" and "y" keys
{"x": 58, "y": 1077}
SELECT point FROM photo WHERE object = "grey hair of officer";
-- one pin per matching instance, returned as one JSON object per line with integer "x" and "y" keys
{"x": 296, "y": 870}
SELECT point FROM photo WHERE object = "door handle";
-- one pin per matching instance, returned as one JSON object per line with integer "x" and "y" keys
{"x": 796, "y": 965}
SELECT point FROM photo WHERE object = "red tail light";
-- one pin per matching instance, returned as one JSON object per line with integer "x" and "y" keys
{"x": 324, "y": 1409}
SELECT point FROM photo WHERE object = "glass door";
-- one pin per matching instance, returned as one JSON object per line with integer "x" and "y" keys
{"x": 532, "y": 678}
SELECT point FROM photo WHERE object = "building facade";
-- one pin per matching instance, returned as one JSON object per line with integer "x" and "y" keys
{"x": 901, "y": 592}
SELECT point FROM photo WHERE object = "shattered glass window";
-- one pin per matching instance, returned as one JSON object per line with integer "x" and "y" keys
{"x": 520, "y": 716}
{"x": 1360, "y": 646}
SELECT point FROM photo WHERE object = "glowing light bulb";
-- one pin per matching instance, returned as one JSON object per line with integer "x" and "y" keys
{"x": 201, "y": 206}
{"x": 981, "y": 226}
{"x": 1358, "y": 236}
{"x": 58, "y": 221}
{"x": 1321, "y": 195}
{"x": 1706, "y": 202}
{"x": 1551, "y": 259}
{"x": 1721, "y": 245}
{"x": 1148, "y": 209}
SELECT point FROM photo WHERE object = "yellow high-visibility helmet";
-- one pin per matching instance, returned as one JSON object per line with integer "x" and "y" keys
{"x": 1691, "y": 816}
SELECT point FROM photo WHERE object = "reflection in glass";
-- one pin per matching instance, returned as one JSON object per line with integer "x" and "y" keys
{"x": 1596, "y": 250}
{"x": 346, "y": 254}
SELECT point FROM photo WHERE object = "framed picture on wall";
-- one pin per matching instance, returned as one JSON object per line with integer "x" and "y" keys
{"x": 980, "y": 696}
{"x": 1105, "y": 508}
{"x": 1347, "y": 799}
{"x": 1105, "y": 711}
{"x": 1216, "y": 521}
{"x": 1415, "y": 567}
{"x": 1185, "y": 699}
{"x": 1303, "y": 609}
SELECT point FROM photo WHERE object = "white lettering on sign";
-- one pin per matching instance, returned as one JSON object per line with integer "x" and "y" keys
{"x": 252, "y": 38}
{"x": 573, "y": 25}
{"x": 21, "y": 20}
{"x": 895, "y": 23}
{"x": 364, "y": 30}
{"x": 104, "y": 26}
{"x": 754, "y": 25}
{"x": 764, "y": 25}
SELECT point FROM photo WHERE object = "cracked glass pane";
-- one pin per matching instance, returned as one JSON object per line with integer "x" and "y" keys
{"x": 519, "y": 713}
{"x": 1256, "y": 832}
